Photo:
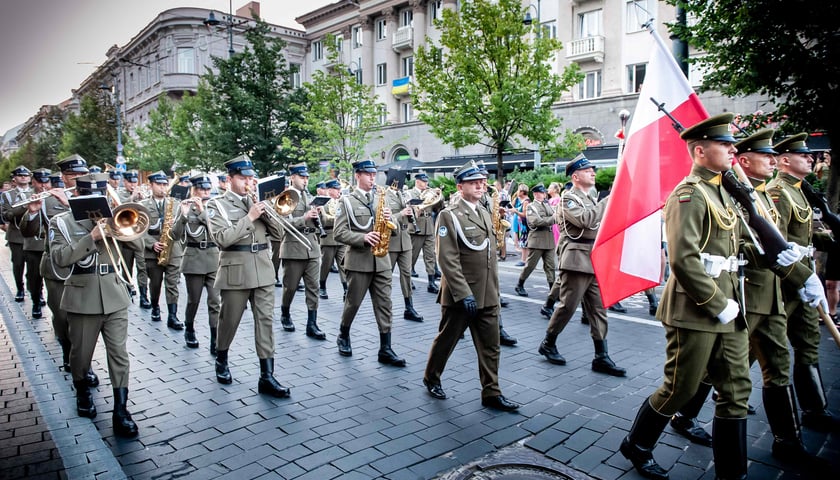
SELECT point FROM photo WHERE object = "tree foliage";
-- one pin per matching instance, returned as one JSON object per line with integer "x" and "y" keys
{"x": 340, "y": 114}
{"x": 160, "y": 143}
{"x": 92, "y": 132}
{"x": 787, "y": 50}
{"x": 489, "y": 80}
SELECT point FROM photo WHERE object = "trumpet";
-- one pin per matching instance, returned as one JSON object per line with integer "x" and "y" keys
{"x": 38, "y": 197}
{"x": 280, "y": 206}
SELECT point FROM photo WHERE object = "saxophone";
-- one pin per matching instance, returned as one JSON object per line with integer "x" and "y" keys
{"x": 165, "y": 234}
{"x": 382, "y": 226}
{"x": 500, "y": 225}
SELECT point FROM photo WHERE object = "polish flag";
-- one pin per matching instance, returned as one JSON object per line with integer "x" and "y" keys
{"x": 627, "y": 250}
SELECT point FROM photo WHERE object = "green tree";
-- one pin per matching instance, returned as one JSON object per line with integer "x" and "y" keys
{"x": 48, "y": 144}
{"x": 159, "y": 144}
{"x": 489, "y": 81}
{"x": 247, "y": 107}
{"x": 340, "y": 114}
{"x": 91, "y": 133}
{"x": 785, "y": 50}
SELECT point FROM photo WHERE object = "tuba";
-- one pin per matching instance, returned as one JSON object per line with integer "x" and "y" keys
{"x": 382, "y": 226}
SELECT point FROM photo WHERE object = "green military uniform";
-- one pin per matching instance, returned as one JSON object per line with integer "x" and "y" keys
{"x": 541, "y": 246}
{"x": 300, "y": 260}
{"x": 12, "y": 216}
{"x": 33, "y": 247}
{"x": 422, "y": 239}
{"x": 132, "y": 251}
{"x": 331, "y": 250}
{"x": 399, "y": 249}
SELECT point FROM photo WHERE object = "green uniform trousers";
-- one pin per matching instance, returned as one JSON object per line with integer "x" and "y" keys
{"x": 484, "y": 330}
{"x": 549, "y": 259}
{"x": 195, "y": 284}
{"x": 330, "y": 254}
{"x": 262, "y": 305}
{"x": 293, "y": 270}
{"x": 768, "y": 345}
{"x": 574, "y": 288}
{"x": 18, "y": 264}
{"x": 84, "y": 332}
{"x": 803, "y": 329}
{"x": 694, "y": 356}
{"x": 34, "y": 280}
{"x": 59, "y": 317}
{"x": 275, "y": 258}
{"x": 403, "y": 260}
{"x": 378, "y": 284}
{"x": 171, "y": 274}
{"x": 426, "y": 244}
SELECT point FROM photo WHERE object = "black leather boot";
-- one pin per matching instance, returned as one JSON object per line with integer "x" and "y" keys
{"x": 213, "y": 332}
{"x": 638, "y": 445}
{"x": 809, "y": 388}
{"x": 222, "y": 371}
{"x": 155, "y": 313}
{"x": 780, "y": 406}
{"x": 144, "y": 298}
{"x": 504, "y": 338}
{"x": 617, "y": 307}
{"x": 65, "y": 354}
{"x": 414, "y": 274}
{"x": 36, "y": 308}
{"x": 84, "y": 400}
{"x": 124, "y": 426}
{"x": 189, "y": 335}
{"x": 685, "y": 422}
{"x": 410, "y": 313}
{"x": 520, "y": 289}
{"x": 172, "y": 319}
{"x": 583, "y": 318}
{"x": 312, "y": 330}
{"x": 386, "y": 355}
{"x": 286, "y": 319}
{"x": 267, "y": 384}
{"x": 19, "y": 295}
{"x": 322, "y": 291}
{"x": 729, "y": 446}
{"x": 343, "y": 341}
{"x": 432, "y": 287}
{"x": 437, "y": 273}
{"x": 548, "y": 309}
{"x": 548, "y": 348}
{"x": 91, "y": 379}
{"x": 602, "y": 363}
{"x": 653, "y": 303}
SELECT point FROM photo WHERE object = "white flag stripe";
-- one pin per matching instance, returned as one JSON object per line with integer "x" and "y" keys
{"x": 642, "y": 247}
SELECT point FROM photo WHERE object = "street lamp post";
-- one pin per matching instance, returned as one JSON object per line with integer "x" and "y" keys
{"x": 528, "y": 21}
{"x": 212, "y": 21}
{"x": 115, "y": 92}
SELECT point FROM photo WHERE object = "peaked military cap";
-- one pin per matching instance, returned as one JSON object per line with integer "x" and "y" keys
{"x": 467, "y": 172}
{"x": 421, "y": 176}
{"x": 41, "y": 175}
{"x": 222, "y": 178}
{"x": 73, "y": 163}
{"x": 794, "y": 143}
{"x": 481, "y": 167}
{"x": 201, "y": 180}
{"x": 131, "y": 176}
{"x": 240, "y": 165}
{"x": 95, "y": 169}
{"x": 334, "y": 183}
{"x": 299, "y": 169}
{"x": 158, "y": 177}
{"x": 712, "y": 128}
{"x": 368, "y": 166}
{"x": 92, "y": 181}
{"x": 56, "y": 181}
{"x": 321, "y": 185}
{"x": 759, "y": 142}
{"x": 21, "y": 171}
{"x": 538, "y": 188}
{"x": 578, "y": 163}
{"x": 114, "y": 174}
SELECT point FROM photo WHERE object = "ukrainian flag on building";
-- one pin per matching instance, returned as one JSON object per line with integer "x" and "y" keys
{"x": 401, "y": 86}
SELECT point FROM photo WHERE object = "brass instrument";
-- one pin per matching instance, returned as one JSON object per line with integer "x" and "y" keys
{"x": 166, "y": 233}
{"x": 382, "y": 226}
{"x": 430, "y": 197}
{"x": 500, "y": 225}
{"x": 38, "y": 197}
{"x": 129, "y": 221}
{"x": 281, "y": 206}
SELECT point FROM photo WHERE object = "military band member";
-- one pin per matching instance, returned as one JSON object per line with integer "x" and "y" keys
{"x": 580, "y": 216}
{"x": 96, "y": 302}
{"x": 354, "y": 226}
{"x": 114, "y": 178}
{"x": 331, "y": 251}
{"x": 33, "y": 245}
{"x": 21, "y": 177}
{"x": 399, "y": 248}
{"x": 158, "y": 204}
{"x": 540, "y": 218}
{"x": 242, "y": 228}
{"x": 133, "y": 251}
{"x": 200, "y": 261}
{"x": 794, "y": 163}
{"x": 469, "y": 289}
{"x": 223, "y": 183}
{"x": 422, "y": 239}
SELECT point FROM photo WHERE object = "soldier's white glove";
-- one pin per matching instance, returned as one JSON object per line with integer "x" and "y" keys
{"x": 813, "y": 293}
{"x": 730, "y": 312}
{"x": 789, "y": 256}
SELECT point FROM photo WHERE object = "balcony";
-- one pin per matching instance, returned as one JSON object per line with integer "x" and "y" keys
{"x": 403, "y": 39}
{"x": 586, "y": 49}
{"x": 401, "y": 87}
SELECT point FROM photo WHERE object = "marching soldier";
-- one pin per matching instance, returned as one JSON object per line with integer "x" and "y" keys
{"x": 114, "y": 178}
{"x": 223, "y": 183}
{"x": 301, "y": 259}
{"x": 581, "y": 216}
{"x": 331, "y": 251}
{"x": 33, "y": 245}
{"x": 469, "y": 289}
{"x": 355, "y": 226}
{"x": 21, "y": 177}
{"x": 399, "y": 249}
{"x": 133, "y": 251}
{"x": 96, "y": 302}
{"x": 241, "y": 228}
{"x": 200, "y": 261}
{"x": 159, "y": 204}
{"x": 422, "y": 239}
{"x": 794, "y": 163}
{"x": 540, "y": 218}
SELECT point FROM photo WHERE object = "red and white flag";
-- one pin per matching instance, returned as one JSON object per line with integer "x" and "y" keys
{"x": 626, "y": 254}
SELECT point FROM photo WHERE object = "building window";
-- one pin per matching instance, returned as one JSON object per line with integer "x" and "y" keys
{"x": 637, "y": 13}
{"x": 357, "y": 37}
{"x": 434, "y": 10}
{"x": 132, "y": 84}
{"x": 294, "y": 75}
{"x": 590, "y": 87}
{"x": 549, "y": 29}
{"x": 635, "y": 77}
{"x": 383, "y": 114}
{"x": 406, "y": 112}
{"x": 186, "y": 60}
{"x": 589, "y": 24}
{"x": 381, "y": 74}
{"x": 408, "y": 66}
{"x": 406, "y": 17}
{"x": 339, "y": 43}
{"x": 142, "y": 79}
{"x": 317, "y": 51}
{"x": 381, "y": 30}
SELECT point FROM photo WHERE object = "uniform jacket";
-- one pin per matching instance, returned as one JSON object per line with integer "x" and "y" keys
{"x": 229, "y": 225}
{"x": 425, "y": 220}
{"x": 34, "y": 228}
{"x": 328, "y": 221}
{"x": 354, "y": 219}
{"x": 12, "y": 216}
{"x": 92, "y": 293}
{"x": 201, "y": 254}
{"x": 540, "y": 218}
{"x": 796, "y": 213}
{"x": 692, "y": 299}
{"x": 290, "y": 247}
{"x": 40, "y": 227}
{"x": 156, "y": 222}
{"x": 579, "y": 219}
{"x": 466, "y": 252}
{"x": 400, "y": 238}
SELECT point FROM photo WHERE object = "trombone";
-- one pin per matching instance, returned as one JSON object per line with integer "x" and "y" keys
{"x": 39, "y": 196}
{"x": 128, "y": 222}
{"x": 280, "y": 206}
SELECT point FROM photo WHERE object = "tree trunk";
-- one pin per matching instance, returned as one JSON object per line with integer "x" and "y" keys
{"x": 500, "y": 170}
{"x": 832, "y": 188}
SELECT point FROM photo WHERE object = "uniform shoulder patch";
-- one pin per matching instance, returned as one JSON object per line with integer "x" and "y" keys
{"x": 52, "y": 234}
{"x": 684, "y": 194}
{"x": 442, "y": 231}
{"x": 211, "y": 213}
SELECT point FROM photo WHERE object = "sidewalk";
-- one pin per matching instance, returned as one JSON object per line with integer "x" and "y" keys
{"x": 353, "y": 417}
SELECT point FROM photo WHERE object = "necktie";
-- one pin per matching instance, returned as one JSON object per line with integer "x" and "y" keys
{"x": 368, "y": 198}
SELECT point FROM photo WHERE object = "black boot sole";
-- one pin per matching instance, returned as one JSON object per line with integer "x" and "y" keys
{"x": 388, "y": 360}
{"x": 316, "y": 335}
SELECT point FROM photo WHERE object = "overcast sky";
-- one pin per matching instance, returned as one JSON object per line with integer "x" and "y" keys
{"x": 47, "y": 47}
